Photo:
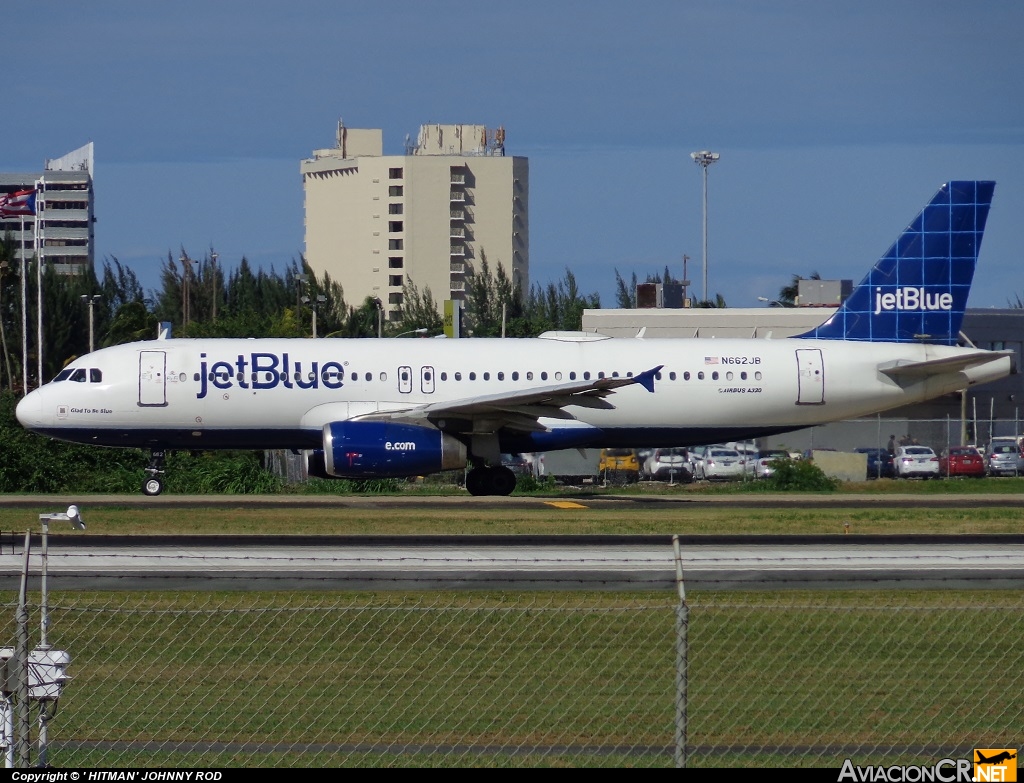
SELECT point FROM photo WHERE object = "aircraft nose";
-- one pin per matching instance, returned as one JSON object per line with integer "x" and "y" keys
{"x": 30, "y": 410}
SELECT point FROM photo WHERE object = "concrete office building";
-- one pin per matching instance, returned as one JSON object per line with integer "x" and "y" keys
{"x": 64, "y": 209}
{"x": 375, "y": 222}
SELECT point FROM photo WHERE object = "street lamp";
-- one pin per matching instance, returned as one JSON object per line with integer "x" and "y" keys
{"x": 186, "y": 274}
{"x": 213, "y": 273}
{"x": 320, "y": 299}
{"x": 421, "y": 330}
{"x": 770, "y": 302}
{"x": 91, "y": 301}
{"x": 704, "y": 158}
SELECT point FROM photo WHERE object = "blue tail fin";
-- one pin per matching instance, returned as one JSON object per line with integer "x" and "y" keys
{"x": 917, "y": 292}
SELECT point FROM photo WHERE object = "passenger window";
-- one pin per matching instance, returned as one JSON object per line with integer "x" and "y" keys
{"x": 700, "y": 376}
{"x": 501, "y": 376}
{"x": 714, "y": 375}
{"x": 458, "y": 376}
{"x": 543, "y": 376}
{"x": 558, "y": 376}
{"x": 444, "y": 376}
{"x": 368, "y": 376}
{"x": 515, "y": 375}
{"x": 529, "y": 376}
{"x": 472, "y": 376}
{"x": 672, "y": 375}
{"x": 572, "y": 376}
{"x": 487, "y": 376}
{"x": 600, "y": 374}
{"x": 586, "y": 375}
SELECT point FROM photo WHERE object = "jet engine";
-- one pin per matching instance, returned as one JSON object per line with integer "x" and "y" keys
{"x": 383, "y": 449}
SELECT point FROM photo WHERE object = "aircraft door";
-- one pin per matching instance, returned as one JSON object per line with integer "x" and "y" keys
{"x": 427, "y": 380}
{"x": 405, "y": 380}
{"x": 152, "y": 378}
{"x": 811, "y": 378}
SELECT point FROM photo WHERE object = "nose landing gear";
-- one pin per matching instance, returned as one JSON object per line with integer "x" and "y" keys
{"x": 153, "y": 484}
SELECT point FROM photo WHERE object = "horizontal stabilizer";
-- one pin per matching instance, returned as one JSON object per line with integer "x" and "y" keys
{"x": 918, "y": 370}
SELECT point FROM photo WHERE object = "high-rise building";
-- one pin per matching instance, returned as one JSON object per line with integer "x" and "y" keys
{"x": 64, "y": 209}
{"x": 375, "y": 222}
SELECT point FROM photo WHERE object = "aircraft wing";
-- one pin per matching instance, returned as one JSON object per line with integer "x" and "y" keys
{"x": 520, "y": 409}
{"x": 915, "y": 371}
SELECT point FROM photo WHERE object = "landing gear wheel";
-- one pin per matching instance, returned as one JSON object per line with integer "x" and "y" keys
{"x": 153, "y": 484}
{"x": 502, "y": 481}
{"x": 490, "y": 481}
{"x": 476, "y": 483}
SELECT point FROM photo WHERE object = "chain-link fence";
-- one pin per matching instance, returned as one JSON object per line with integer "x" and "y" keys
{"x": 519, "y": 679}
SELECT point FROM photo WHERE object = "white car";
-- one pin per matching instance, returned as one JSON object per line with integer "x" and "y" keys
{"x": 719, "y": 464}
{"x": 763, "y": 467}
{"x": 918, "y": 461}
{"x": 667, "y": 465}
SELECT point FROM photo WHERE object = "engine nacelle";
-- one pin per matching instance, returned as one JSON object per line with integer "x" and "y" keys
{"x": 382, "y": 449}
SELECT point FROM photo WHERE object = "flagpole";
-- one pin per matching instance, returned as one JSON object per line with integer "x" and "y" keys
{"x": 40, "y": 206}
{"x": 24, "y": 310}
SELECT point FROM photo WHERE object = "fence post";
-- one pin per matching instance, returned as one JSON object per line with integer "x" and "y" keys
{"x": 682, "y": 630}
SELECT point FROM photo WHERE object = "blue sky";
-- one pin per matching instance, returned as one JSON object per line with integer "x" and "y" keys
{"x": 836, "y": 122}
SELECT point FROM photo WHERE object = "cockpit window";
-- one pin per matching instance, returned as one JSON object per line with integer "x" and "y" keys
{"x": 62, "y": 376}
{"x": 78, "y": 376}
{"x": 95, "y": 375}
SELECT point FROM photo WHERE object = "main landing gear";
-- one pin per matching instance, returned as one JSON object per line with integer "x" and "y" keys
{"x": 490, "y": 481}
{"x": 153, "y": 484}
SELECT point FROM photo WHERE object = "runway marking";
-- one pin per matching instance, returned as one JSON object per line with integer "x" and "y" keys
{"x": 564, "y": 504}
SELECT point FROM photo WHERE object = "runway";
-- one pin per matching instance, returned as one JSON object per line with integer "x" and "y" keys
{"x": 259, "y": 563}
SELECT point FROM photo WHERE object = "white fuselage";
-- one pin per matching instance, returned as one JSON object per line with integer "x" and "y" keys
{"x": 279, "y": 393}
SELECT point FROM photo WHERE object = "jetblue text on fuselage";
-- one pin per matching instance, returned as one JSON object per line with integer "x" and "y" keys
{"x": 912, "y": 299}
{"x": 258, "y": 370}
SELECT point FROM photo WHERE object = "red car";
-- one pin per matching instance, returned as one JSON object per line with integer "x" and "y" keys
{"x": 961, "y": 461}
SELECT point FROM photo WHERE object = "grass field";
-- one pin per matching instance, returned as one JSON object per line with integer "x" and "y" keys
{"x": 534, "y": 516}
{"x": 551, "y": 679}
{"x": 498, "y": 679}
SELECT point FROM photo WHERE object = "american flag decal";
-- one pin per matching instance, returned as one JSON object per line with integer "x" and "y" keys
{"x": 710, "y": 360}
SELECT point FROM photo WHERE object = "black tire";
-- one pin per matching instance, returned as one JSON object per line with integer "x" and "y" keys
{"x": 152, "y": 486}
{"x": 500, "y": 481}
{"x": 476, "y": 482}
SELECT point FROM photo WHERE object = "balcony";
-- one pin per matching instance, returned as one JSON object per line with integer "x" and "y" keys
{"x": 457, "y": 285}
{"x": 458, "y": 250}
{"x": 457, "y": 196}
{"x": 458, "y": 214}
{"x": 458, "y": 179}
{"x": 457, "y": 232}
{"x": 457, "y": 268}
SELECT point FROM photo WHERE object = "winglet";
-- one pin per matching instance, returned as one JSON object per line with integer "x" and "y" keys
{"x": 646, "y": 379}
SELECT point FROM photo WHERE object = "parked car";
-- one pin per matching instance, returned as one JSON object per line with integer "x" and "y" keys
{"x": 880, "y": 463}
{"x": 961, "y": 461}
{"x": 763, "y": 467}
{"x": 619, "y": 466}
{"x": 720, "y": 464}
{"x": 519, "y": 464}
{"x": 1003, "y": 458}
{"x": 920, "y": 461}
{"x": 668, "y": 465}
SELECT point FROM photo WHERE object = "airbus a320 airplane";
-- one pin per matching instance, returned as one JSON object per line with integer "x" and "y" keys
{"x": 390, "y": 408}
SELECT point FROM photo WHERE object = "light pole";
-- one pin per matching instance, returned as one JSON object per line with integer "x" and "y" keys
{"x": 704, "y": 158}
{"x": 319, "y": 300}
{"x": 213, "y": 274}
{"x": 91, "y": 301}
{"x": 421, "y": 330}
{"x": 186, "y": 273}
